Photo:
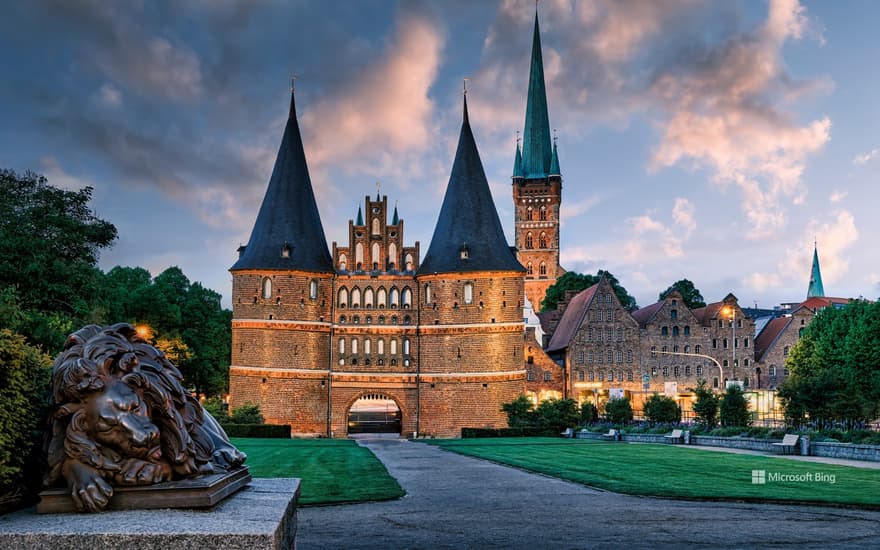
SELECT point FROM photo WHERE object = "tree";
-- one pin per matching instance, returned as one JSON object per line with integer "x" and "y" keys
{"x": 557, "y": 414}
{"x": 619, "y": 411}
{"x": 705, "y": 404}
{"x": 578, "y": 282}
{"x": 690, "y": 295}
{"x": 589, "y": 413}
{"x": 660, "y": 408}
{"x": 50, "y": 240}
{"x": 520, "y": 412}
{"x": 734, "y": 408}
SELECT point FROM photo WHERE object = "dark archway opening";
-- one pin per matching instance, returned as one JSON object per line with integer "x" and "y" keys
{"x": 374, "y": 414}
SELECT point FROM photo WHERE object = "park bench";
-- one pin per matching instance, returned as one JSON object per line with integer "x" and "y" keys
{"x": 788, "y": 442}
{"x": 567, "y": 432}
{"x": 675, "y": 437}
{"x": 612, "y": 435}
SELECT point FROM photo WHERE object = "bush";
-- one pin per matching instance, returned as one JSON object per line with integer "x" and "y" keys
{"x": 525, "y": 431}
{"x": 217, "y": 408}
{"x": 520, "y": 412}
{"x": 557, "y": 414}
{"x": 278, "y": 431}
{"x": 25, "y": 374}
{"x": 618, "y": 411}
{"x": 589, "y": 413}
{"x": 734, "y": 408}
{"x": 246, "y": 414}
{"x": 660, "y": 408}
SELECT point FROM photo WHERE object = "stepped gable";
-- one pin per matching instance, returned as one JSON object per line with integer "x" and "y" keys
{"x": 288, "y": 234}
{"x": 468, "y": 236}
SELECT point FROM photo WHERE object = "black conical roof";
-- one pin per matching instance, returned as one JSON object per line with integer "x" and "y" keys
{"x": 468, "y": 224}
{"x": 288, "y": 233}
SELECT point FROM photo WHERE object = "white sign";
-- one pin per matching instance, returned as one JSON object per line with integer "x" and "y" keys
{"x": 670, "y": 389}
{"x": 615, "y": 393}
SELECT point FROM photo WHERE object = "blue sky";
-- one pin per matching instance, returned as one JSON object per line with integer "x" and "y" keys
{"x": 703, "y": 140}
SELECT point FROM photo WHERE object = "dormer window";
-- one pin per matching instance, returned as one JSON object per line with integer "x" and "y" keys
{"x": 285, "y": 250}
{"x": 464, "y": 253}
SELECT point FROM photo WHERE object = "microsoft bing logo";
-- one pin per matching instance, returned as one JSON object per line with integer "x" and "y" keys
{"x": 759, "y": 477}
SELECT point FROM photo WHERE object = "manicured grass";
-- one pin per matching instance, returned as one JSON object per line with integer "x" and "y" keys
{"x": 676, "y": 471}
{"x": 331, "y": 470}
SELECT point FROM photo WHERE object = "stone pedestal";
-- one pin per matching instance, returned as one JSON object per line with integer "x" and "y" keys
{"x": 260, "y": 516}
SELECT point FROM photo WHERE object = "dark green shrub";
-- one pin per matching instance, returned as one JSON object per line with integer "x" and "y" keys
{"x": 520, "y": 412}
{"x": 24, "y": 389}
{"x": 557, "y": 414}
{"x": 278, "y": 431}
{"x": 734, "y": 409}
{"x": 589, "y": 413}
{"x": 526, "y": 431}
{"x": 660, "y": 408}
{"x": 217, "y": 408}
{"x": 705, "y": 405}
{"x": 246, "y": 414}
{"x": 618, "y": 411}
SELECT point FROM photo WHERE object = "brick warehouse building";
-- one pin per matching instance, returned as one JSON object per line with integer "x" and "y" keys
{"x": 330, "y": 340}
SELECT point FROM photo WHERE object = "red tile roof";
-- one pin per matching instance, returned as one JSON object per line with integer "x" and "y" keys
{"x": 772, "y": 330}
{"x": 572, "y": 319}
{"x": 644, "y": 315}
{"x": 816, "y": 303}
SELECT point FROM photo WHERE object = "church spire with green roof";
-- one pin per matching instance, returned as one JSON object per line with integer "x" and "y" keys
{"x": 815, "y": 290}
{"x": 536, "y": 154}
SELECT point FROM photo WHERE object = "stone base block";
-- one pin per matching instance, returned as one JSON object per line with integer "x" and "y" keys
{"x": 260, "y": 516}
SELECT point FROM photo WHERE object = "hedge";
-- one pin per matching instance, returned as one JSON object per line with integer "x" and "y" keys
{"x": 525, "y": 431}
{"x": 277, "y": 431}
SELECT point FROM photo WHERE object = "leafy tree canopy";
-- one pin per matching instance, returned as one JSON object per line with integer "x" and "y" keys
{"x": 690, "y": 294}
{"x": 578, "y": 282}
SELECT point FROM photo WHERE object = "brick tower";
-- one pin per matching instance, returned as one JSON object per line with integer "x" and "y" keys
{"x": 537, "y": 188}
{"x": 282, "y": 296}
{"x": 471, "y": 324}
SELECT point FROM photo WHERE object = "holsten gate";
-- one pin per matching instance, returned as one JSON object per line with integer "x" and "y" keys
{"x": 328, "y": 341}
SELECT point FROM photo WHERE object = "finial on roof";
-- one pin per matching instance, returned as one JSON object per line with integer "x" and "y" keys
{"x": 360, "y": 218}
{"x": 464, "y": 85}
{"x": 378, "y": 186}
{"x": 395, "y": 219}
{"x": 555, "y": 137}
{"x": 292, "y": 83}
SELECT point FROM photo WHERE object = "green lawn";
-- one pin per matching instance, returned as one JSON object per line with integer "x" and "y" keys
{"x": 332, "y": 470}
{"x": 677, "y": 471}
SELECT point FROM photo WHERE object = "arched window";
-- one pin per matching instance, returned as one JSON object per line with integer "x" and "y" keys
{"x": 675, "y": 331}
{"x": 530, "y": 214}
{"x": 629, "y": 356}
{"x": 698, "y": 349}
{"x": 427, "y": 294}
{"x": 381, "y": 298}
{"x": 468, "y": 293}
{"x": 342, "y": 345}
{"x": 664, "y": 331}
{"x": 629, "y": 376}
{"x": 359, "y": 254}
{"x": 380, "y": 346}
{"x": 343, "y": 297}
{"x": 355, "y": 298}
{"x": 673, "y": 314}
{"x": 619, "y": 356}
{"x": 687, "y": 349}
{"x": 374, "y": 255}
{"x": 543, "y": 213}
{"x": 313, "y": 289}
{"x": 392, "y": 254}
{"x": 393, "y": 346}
{"x": 619, "y": 334}
{"x": 406, "y": 346}
{"x": 406, "y": 297}
{"x": 394, "y": 300}
{"x": 653, "y": 351}
{"x": 609, "y": 357}
{"x": 543, "y": 268}
{"x": 367, "y": 346}
{"x": 590, "y": 357}
{"x": 590, "y": 334}
{"x": 542, "y": 240}
{"x": 529, "y": 269}
{"x": 375, "y": 226}
{"x": 529, "y": 241}
{"x": 343, "y": 262}
{"x": 368, "y": 297}
{"x": 785, "y": 351}
{"x": 608, "y": 334}
{"x": 354, "y": 346}
{"x": 409, "y": 262}
{"x": 687, "y": 330}
{"x": 267, "y": 288}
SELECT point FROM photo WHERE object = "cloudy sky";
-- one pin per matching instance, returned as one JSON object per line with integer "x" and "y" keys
{"x": 706, "y": 140}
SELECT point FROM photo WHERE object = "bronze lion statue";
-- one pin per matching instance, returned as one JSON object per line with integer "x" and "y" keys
{"x": 121, "y": 416}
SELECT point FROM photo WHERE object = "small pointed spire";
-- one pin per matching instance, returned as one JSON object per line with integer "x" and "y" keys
{"x": 517, "y": 163}
{"x": 816, "y": 289}
{"x": 536, "y": 137}
{"x": 360, "y": 218}
{"x": 395, "y": 219}
{"x": 465, "y": 110}
{"x": 554, "y": 162}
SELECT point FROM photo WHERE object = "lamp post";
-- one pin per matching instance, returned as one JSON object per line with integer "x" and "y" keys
{"x": 732, "y": 311}
{"x": 709, "y": 357}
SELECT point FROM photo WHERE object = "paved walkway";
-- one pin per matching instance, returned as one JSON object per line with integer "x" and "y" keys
{"x": 455, "y": 501}
{"x": 817, "y": 459}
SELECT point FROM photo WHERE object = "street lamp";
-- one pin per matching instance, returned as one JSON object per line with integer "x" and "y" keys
{"x": 709, "y": 357}
{"x": 732, "y": 311}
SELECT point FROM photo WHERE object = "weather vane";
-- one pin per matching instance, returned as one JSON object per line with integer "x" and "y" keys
{"x": 517, "y": 138}
{"x": 378, "y": 186}
{"x": 464, "y": 85}
{"x": 292, "y": 82}
{"x": 554, "y": 136}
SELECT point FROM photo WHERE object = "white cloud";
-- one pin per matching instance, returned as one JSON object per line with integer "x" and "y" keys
{"x": 58, "y": 177}
{"x": 569, "y": 210}
{"x": 683, "y": 215}
{"x": 837, "y": 195}
{"x": 110, "y": 96}
{"x": 866, "y": 157}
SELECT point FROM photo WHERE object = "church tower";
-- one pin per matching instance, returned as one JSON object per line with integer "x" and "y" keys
{"x": 537, "y": 188}
{"x": 815, "y": 290}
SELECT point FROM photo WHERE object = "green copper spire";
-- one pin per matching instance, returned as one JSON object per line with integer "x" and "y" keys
{"x": 395, "y": 219}
{"x": 554, "y": 163}
{"x": 360, "y": 220}
{"x": 536, "y": 138}
{"x": 815, "y": 289}
{"x": 517, "y": 163}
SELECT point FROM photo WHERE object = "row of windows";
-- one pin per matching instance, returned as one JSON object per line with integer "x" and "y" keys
{"x": 368, "y": 346}
{"x": 609, "y": 315}
{"x": 772, "y": 371}
{"x": 530, "y": 214}
{"x": 370, "y": 299}
{"x": 548, "y": 376}
{"x": 739, "y": 323}
{"x": 610, "y": 334}
{"x": 368, "y": 319}
{"x": 725, "y": 343}
{"x": 542, "y": 240}
{"x": 665, "y": 349}
{"x": 376, "y": 257}
{"x": 367, "y": 362}
{"x": 542, "y": 268}
{"x": 677, "y": 371}
{"x": 593, "y": 376}
{"x": 609, "y": 356}
{"x": 664, "y": 331}
{"x": 266, "y": 289}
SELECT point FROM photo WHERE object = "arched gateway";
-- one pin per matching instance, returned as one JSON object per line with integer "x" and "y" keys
{"x": 374, "y": 413}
